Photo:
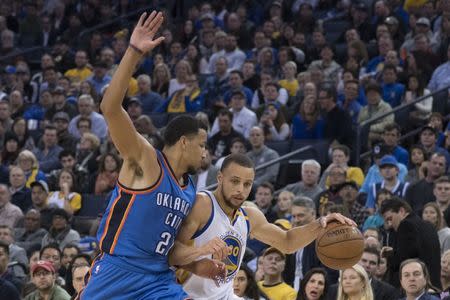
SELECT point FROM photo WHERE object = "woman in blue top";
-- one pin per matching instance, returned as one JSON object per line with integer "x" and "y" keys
{"x": 307, "y": 123}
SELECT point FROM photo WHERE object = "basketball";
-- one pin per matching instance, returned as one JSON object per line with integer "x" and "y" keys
{"x": 339, "y": 246}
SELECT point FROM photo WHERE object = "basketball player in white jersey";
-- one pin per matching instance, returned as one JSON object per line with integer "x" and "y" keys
{"x": 219, "y": 213}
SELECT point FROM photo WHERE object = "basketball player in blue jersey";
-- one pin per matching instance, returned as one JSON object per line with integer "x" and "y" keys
{"x": 220, "y": 213}
{"x": 153, "y": 196}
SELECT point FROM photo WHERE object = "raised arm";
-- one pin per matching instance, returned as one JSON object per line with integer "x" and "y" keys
{"x": 125, "y": 137}
{"x": 291, "y": 240}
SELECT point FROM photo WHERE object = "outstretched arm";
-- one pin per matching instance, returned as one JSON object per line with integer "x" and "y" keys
{"x": 291, "y": 240}
{"x": 119, "y": 123}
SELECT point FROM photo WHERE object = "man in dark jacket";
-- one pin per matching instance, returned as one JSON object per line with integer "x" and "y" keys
{"x": 415, "y": 238}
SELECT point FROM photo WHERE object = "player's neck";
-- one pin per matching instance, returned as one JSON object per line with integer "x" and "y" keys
{"x": 175, "y": 163}
{"x": 229, "y": 211}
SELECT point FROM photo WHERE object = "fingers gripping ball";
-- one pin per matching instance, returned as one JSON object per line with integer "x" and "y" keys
{"x": 339, "y": 246}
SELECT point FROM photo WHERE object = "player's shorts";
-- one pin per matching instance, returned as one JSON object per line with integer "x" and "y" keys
{"x": 108, "y": 281}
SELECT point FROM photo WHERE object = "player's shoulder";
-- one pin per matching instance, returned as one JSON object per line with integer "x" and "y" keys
{"x": 203, "y": 205}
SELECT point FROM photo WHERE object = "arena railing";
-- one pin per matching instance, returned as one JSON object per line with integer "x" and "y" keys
{"x": 273, "y": 161}
{"x": 437, "y": 107}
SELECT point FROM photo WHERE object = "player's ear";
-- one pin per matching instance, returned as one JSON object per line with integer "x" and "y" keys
{"x": 219, "y": 176}
{"x": 183, "y": 142}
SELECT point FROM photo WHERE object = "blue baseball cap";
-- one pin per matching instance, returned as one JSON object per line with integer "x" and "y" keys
{"x": 388, "y": 160}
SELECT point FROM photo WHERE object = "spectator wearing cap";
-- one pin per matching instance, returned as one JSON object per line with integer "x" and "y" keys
{"x": 423, "y": 26}
{"x": 86, "y": 109}
{"x": 60, "y": 231}
{"x": 149, "y": 99}
{"x": 273, "y": 285}
{"x": 373, "y": 174}
{"x": 39, "y": 194}
{"x": 44, "y": 278}
{"x": 428, "y": 138}
{"x": 441, "y": 76}
{"x": 421, "y": 192}
{"x": 393, "y": 92}
{"x": 20, "y": 194}
{"x": 30, "y": 235}
{"x": 234, "y": 56}
{"x": 81, "y": 70}
{"x": 47, "y": 155}
{"x": 188, "y": 99}
{"x": 348, "y": 192}
{"x": 134, "y": 108}
{"x": 389, "y": 171}
{"x": 327, "y": 64}
{"x": 342, "y": 134}
{"x": 60, "y": 104}
{"x": 65, "y": 139}
{"x": 243, "y": 118}
{"x": 99, "y": 79}
{"x": 236, "y": 83}
{"x": 375, "y": 106}
{"x": 10, "y": 214}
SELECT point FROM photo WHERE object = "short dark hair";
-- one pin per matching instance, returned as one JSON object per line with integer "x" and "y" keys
{"x": 84, "y": 119}
{"x": 68, "y": 246}
{"x": 50, "y": 246}
{"x": 5, "y": 247}
{"x": 267, "y": 185}
{"x": 330, "y": 89}
{"x": 225, "y": 112}
{"x": 50, "y": 127}
{"x": 66, "y": 153}
{"x": 442, "y": 179}
{"x": 342, "y": 148}
{"x": 183, "y": 125}
{"x": 354, "y": 81}
{"x": 394, "y": 204}
{"x": 392, "y": 126}
{"x": 373, "y": 86}
{"x": 390, "y": 67}
{"x": 374, "y": 251}
{"x": 239, "y": 159}
{"x": 238, "y": 73}
{"x": 49, "y": 68}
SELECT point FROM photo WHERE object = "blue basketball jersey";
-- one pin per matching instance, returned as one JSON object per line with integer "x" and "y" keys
{"x": 139, "y": 226}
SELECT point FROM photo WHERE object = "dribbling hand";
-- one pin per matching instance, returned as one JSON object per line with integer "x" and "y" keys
{"x": 336, "y": 217}
{"x": 143, "y": 34}
{"x": 215, "y": 247}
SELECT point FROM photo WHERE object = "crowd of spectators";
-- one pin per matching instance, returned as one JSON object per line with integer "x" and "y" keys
{"x": 262, "y": 75}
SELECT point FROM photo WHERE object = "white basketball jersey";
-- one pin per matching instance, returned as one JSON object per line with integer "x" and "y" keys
{"x": 234, "y": 234}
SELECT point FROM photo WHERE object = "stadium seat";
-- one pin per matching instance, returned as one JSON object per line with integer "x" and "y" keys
{"x": 159, "y": 120}
{"x": 83, "y": 224}
{"x": 92, "y": 205}
{"x": 319, "y": 150}
{"x": 282, "y": 147}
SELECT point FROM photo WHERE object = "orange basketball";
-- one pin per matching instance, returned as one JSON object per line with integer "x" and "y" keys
{"x": 339, "y": 246}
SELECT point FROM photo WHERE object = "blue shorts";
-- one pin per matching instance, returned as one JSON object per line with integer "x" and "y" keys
{"x": 109, "y": 281}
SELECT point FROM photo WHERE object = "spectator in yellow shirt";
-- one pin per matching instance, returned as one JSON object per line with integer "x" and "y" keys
{"x": 273, "y": 285}
{"x": 81, "y": 71}
{"x": 340, "y": 156}
{"x": 290, "y": 82}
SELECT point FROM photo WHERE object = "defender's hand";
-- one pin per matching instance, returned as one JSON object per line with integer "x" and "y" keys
{"x": 143, "y": 34}
{"x": 216, "y": 247}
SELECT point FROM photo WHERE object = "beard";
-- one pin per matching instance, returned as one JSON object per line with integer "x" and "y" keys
{"x": 228, "y": 200}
